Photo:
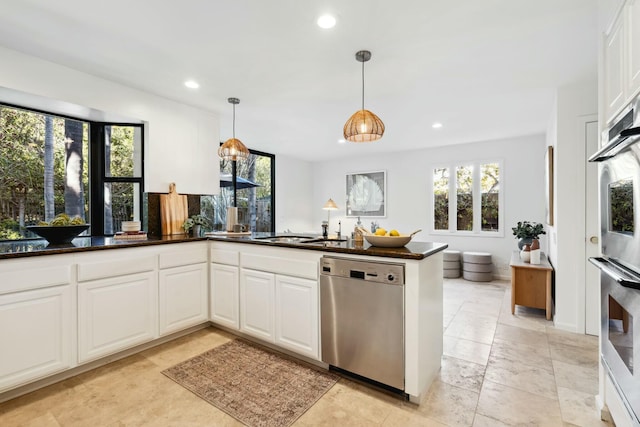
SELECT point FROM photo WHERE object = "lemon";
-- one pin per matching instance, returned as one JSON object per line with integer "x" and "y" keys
{"x": 381, "y": 232}
{"x": 394, "y": 233}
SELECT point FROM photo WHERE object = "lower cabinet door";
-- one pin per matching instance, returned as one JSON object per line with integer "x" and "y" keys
{"x": 116, "y": 313}
{"x": 182, "y": 297}
{"x": 296, "y": 315}
{"x": 35, "y": 335}
{"x": 225, "y": 295}
{"x": 256, "y": 304}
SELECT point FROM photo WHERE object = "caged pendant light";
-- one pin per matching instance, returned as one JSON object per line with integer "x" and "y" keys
{"x": 233, "y": 149}
{"x": 363, "y": 125}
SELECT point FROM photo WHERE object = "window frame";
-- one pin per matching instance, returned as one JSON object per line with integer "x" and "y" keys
{"x": 234, "y": 173}
{"x": 477, "y": 199}
{"x": 95, "y": 161}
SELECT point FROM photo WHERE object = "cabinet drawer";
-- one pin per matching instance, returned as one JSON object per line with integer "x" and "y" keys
{"x": 281, "y": 265}
{"x": 225, "y": 256}
{"x": 116, "y": 266}
{"x": 184, "y": 254}
{"x": 25, "y": 274}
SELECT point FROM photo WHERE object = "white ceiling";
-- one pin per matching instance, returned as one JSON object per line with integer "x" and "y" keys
{"x": 486, "y": 69}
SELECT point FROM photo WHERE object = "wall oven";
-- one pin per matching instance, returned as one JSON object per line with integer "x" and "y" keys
{"x": 619, "y": 265}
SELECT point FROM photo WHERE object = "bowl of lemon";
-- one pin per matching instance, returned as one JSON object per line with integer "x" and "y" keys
{"x": 60, "y": 230}
{"x": 388, "y": 239}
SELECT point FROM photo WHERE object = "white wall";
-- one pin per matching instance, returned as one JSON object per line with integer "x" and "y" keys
{"x": 408, "y": 191}
{"x": 180, "y": 141}
{"x": 567, "y": 236}
{"x": 294, "y": 208}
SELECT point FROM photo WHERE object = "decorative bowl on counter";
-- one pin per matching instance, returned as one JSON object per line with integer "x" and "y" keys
{"x": 388, "y": 241}
{"x": 59, "y": 234}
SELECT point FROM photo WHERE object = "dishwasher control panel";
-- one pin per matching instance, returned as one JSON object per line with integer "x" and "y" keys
{"x": 374, "y": 271}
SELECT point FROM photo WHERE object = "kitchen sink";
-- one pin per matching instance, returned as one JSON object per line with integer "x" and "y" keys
{"x": 300, "y": 239}
{"x": 323, "y": 240}
{"x": 285, "y": 239}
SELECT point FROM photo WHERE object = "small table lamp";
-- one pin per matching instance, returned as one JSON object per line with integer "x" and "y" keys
{"x": 330, "y": 206}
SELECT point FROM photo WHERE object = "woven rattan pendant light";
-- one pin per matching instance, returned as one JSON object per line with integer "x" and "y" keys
{"x": 233, "y": 149}
{"x": 363, "y": 125}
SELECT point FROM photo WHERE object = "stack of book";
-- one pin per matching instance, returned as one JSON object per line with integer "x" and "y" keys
{"x": 131, "y": 235}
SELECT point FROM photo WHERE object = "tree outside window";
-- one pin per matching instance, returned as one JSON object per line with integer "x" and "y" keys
{"x": 472, "y": 194}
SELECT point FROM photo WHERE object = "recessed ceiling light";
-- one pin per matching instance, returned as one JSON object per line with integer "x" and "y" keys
{"x": 191, "y": 84}
{"x": 342, "y": 141}
{"x": 436, "y": 125}
{"x": 326, "y": 21}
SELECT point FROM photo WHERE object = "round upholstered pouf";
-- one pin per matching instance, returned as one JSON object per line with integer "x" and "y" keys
{"x": 451, "y": 267}
{"x": 477, "y": 266}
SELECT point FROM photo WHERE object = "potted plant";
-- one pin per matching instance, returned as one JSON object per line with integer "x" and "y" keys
{"x": 526, "y": 231}
{"x": 194, "y": 224}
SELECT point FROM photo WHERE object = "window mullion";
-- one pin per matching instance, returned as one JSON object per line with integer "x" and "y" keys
{"x": 477, "y": 199}
{"x": 453, "y": 199}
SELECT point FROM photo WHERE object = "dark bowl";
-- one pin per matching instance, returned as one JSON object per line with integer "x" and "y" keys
{"x": 57, "y": 235}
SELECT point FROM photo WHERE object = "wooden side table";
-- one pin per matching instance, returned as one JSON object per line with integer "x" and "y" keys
{"x": 531, "y": 283}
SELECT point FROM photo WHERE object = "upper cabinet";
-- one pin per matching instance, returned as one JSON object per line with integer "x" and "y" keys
{"x": 632, "y": 12}
{"x": 622, "y": 60}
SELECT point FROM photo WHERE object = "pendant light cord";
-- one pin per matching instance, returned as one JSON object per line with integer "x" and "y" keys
{"x": 363, "y": 85}
{"x": 234, "y": 121}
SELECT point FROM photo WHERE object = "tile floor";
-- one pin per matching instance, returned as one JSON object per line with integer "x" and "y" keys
{"x": 497, "y": 370}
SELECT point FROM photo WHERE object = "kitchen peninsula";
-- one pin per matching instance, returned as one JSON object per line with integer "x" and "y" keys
{"x": 98, "y": 300}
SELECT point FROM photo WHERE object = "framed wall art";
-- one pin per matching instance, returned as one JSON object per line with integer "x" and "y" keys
{"x": 366, "y": 194}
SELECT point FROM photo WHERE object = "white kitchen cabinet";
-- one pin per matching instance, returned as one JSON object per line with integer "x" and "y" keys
{"x": 35, "y": 334}
{"x": 225, "y": 295}
{"x": 116, "y": 313}
{"x": 183, "y": 286}
{"x": 182, "y": 297}
{"x": 296, "y": 315}
{"x": 614, "y": 81}
{"x": 257, "y": 293}
{"x": 632, "y": 49}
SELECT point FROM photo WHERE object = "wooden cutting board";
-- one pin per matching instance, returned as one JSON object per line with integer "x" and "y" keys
{"x": 173, "y": 211}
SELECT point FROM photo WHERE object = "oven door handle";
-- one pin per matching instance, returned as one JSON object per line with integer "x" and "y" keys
{"x": 616, "y": 145}
{"x": 615, "y": 273}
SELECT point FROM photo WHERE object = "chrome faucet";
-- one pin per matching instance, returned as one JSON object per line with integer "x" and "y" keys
{"x": 339, "y": 229}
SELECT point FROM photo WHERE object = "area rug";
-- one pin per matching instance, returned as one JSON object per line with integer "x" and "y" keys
{"x": 253, "y": 384}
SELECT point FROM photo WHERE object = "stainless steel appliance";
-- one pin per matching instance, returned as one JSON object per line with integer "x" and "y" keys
{"x": 362, "y": 318}
{"x": 620, "y": 262}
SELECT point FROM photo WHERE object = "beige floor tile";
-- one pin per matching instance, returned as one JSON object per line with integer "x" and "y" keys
{"x": 516, "y": 374}
{"x": 401, "y": 417}
{"x": 330, "y": 414}
{"x": 484, "y": 421}
{"x": 362, "y": 401}
{"x": 485, "y": 306}
{"x": 554, "y": 335}
{"x": 478, "y": 332}
{"x": 526, "y": 354}
{"x": 461, "y": 373}
{"x": 181, "y": 349}
{"x": 535, "y": 323}
{"x": 466, "y": 350}
{"x": 46, "y": 420}
{"x": 580, "y": 356}
{"x": 579, "y": 408}
{"x": 515, "y": 407}
{"x": 450, "y": 405}
{"x": 576, "y": 377}
{"x": 515, "y": 334}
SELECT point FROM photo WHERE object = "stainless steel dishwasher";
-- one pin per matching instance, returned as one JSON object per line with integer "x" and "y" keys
{"x": 362, "y": 318}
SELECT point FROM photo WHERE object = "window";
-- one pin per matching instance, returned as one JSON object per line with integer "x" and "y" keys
{"x": 254, "y": 197}
{"x": 51, "y": 164}
{"x": 468, "y": 201}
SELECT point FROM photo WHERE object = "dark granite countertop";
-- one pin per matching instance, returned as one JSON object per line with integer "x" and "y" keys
{"x": 39, "y": 247}
{"x": 413, "y": 250}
